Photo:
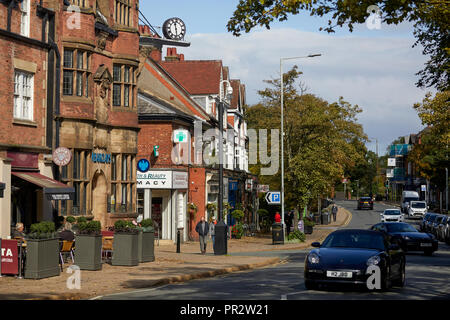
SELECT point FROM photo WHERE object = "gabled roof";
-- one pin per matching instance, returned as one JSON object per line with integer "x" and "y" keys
{"x": 155, "y": 82}
{"x": 198, "y": 77}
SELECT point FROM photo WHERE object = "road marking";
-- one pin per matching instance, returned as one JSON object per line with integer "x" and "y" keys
{"x": 128, "y": 292}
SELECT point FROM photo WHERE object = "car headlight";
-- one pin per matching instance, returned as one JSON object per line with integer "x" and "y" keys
{"x": 313, "y": 258}
{"x": 406, "y": 238}
{"x": 375, "y": 260}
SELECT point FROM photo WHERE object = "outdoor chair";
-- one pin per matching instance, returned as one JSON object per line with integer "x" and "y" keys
{"x": 66, "y": 247}
{"x": 107, "y": 246}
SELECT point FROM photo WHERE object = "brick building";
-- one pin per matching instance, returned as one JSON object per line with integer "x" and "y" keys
{"x": 70, "y": 81}
{"x": 97, "y": 119}
{"x": 27, "y": 86}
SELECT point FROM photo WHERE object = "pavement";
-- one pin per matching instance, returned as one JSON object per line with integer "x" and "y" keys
{"x": 168, "y": 267}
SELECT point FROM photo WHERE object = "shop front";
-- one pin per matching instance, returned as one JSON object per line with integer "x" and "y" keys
{"x": 162, "y": 196}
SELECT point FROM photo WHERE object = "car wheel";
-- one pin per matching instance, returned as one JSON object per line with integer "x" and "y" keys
{"x": 400, "y": 282}
{"x": 310, "y": 285}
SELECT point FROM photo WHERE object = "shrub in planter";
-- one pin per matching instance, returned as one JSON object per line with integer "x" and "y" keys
{"x": 71, "y": 219}
{"x": 42, "y": 259}
{"x": 238, "y": 214}
{"x": 125, "y": 245}
{"x": 146, "y": 241}
{"x": 88, "y": 246}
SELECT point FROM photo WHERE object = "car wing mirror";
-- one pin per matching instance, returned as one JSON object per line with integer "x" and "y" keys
{"x": 315, "y": 244}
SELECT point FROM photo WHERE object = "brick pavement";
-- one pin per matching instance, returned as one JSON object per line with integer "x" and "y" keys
{"x": 168, "y": 267}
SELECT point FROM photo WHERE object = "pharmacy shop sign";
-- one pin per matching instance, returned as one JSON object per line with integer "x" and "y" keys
{"x": 154, "y": 180}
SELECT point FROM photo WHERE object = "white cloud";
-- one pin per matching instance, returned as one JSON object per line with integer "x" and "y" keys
{"x": 377, "y": 73}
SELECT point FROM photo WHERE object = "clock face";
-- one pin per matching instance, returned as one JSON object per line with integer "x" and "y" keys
{"x": 174, "y": 28}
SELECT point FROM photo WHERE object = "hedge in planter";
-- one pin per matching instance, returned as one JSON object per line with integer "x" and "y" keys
{"x": 125, "y": 245}
{"x": 146, "y": 241}
{"x": 88, "y": 246}
{"x": 308, "y": 225}
{"x": 42, "y": 259}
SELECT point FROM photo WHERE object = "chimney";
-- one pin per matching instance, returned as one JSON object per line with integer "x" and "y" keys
{"x": 172, "y": 55}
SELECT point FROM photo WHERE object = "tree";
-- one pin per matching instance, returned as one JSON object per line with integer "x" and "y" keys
{"x": 319, "y": 138}
{"x": 430, "y": 156}
{"x": 430, "y": 17}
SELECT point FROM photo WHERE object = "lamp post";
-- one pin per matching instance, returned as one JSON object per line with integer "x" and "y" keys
{"x": 282, "y": 131}
{"x": 220, "y": 242}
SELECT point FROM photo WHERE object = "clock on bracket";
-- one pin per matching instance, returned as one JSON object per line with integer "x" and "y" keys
{"x": 174, "y": 28}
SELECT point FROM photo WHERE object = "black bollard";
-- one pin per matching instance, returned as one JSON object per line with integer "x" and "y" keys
{"x": 220, "y": 243}
{"x": 178, "y": 241}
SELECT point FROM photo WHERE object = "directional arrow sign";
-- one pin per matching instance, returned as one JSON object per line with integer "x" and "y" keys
{"x": 273, "y": 197}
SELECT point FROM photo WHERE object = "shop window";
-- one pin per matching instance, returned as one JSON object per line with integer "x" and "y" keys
{"x": 124, "y": 86}
{"x": 124, "y": 202}
{"x": 140, "y": 201}
{"x": 76, "y": 165}
{"x": 23, "y": 95}
{"x": 124, "y": 167}
{"x": 76, "y": 75}
{"x": 114, "y": 167}
{"x": 76, "y": 199}
{"x": 113, "y": 197}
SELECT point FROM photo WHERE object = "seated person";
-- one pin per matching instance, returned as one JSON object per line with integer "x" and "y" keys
{"x": 18, "y": 232}
{"x": 67, "y": 233}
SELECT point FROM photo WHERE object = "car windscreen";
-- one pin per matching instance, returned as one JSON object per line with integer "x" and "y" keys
{"x": 400, "y": 227}
{"x": 365, "y": 199}
{"x": 392, "y": 212}
{"x": 418, "y": 205}
{"x": 432, "y": 218}
{"x": 354, "y": 240}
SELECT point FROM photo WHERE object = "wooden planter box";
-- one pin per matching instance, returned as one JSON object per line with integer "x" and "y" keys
{"x": 146, "y": 246}
{"x": 42, "y": 259}
{"x": 125, "y": 249}
{"x": 88, "y": 252}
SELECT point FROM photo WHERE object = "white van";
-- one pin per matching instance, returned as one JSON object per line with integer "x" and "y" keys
{"x": 408, "y": 196}
{"x": 417, "y": 208}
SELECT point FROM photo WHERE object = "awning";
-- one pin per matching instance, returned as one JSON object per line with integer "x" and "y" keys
{"x": 54, "y": 190}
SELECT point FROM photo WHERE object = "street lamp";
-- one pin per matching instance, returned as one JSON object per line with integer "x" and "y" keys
{"x": 282, "y": 131}
{"x": 220, "y": 242}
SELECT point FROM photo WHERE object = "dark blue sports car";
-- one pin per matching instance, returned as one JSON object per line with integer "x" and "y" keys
{"x": 408, "y": 237}
{"x": 345, "y": 256}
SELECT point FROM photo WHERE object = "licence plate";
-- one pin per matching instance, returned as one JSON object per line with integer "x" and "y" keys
{"x": 366, "y": 203}
{"x": 425, "y": 244}
{"x": 339, "y": 274}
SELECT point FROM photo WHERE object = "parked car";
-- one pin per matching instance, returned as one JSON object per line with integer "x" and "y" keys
{"x": 417, "y": 208}
{"x": 434, "y": 227}
{"x": 429, "y": 221}
{"x": 423, "y": 221}
{"x": 365, "y": 202}
{"x": 391, "y": 215}
{"x": 443, "y": 228}
{"x": 408, "y": 237}
{"x": 345, "y": 255}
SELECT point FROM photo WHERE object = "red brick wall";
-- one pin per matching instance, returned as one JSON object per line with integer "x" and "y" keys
{"x": 197, "y": 194}
{"x": 13, "y": 133}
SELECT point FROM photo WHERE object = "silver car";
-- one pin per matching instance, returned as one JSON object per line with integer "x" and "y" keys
{"x": 434, "y": 227}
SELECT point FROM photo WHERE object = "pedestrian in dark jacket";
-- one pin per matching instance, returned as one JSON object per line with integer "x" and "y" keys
{"x": 202, "y": 229}
{"x": 67, "y": 233}
{"x": 334, "y": 211}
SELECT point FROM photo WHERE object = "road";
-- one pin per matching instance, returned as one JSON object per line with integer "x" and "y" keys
{"x": 426, "y": 277}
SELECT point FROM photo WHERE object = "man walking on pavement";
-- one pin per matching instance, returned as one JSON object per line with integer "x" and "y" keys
{"x": 334, "y": 211}
{"x": 202, "y": 229}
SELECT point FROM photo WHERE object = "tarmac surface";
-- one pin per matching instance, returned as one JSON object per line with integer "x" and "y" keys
{"x": 169, "y": 267}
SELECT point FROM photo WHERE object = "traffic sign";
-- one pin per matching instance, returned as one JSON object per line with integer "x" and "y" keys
{"x": 273, "y": 197}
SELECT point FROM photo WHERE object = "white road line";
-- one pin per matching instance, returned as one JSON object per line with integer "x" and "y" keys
{"x": 128, "y": 292}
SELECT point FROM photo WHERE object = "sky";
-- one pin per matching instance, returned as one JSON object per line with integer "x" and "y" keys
{"x": 373, "y": 68}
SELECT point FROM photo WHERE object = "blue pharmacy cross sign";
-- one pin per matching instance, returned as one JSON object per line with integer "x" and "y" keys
{"x": 273, "y": 197}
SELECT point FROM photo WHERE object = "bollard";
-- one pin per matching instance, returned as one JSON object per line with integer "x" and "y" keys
{"x": 178, "y": 241}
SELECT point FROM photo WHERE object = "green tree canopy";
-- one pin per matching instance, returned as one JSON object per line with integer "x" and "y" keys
{"x": 431, "y": 24}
